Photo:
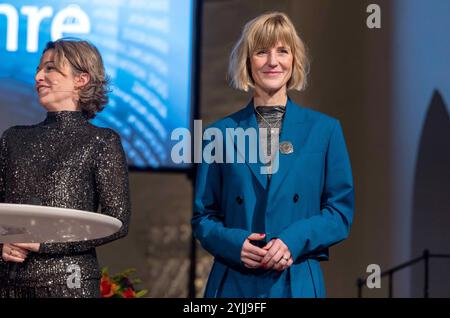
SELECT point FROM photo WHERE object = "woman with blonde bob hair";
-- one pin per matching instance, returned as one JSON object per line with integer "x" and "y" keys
{"x": 63, "y": 162}
{"x": 264, "y": 32}
{"x": 268, "y": 224}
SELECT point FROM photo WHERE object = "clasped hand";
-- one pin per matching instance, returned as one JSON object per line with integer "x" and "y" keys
{"x": 274, "y": 255}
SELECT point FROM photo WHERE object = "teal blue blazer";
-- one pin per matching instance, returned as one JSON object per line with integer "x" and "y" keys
{"x": 308, "y": 205}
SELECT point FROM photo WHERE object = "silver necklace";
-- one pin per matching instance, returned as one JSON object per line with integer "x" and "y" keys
{"x": 272, "y": 129}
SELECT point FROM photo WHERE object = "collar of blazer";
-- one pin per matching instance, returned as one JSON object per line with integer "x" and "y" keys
{"x": 293, "y": 131}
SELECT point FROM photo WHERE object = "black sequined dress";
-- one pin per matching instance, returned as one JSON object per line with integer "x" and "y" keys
{"x": 62, "y": 162}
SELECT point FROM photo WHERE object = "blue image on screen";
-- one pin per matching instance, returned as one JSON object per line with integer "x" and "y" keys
{"x": 147, "y": 47}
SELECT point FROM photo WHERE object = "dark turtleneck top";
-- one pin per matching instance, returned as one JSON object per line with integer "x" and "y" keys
{"x": 270, "y": 117}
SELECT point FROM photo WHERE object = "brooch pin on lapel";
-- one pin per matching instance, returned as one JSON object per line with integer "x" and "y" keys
{"x": 286, "y": 147}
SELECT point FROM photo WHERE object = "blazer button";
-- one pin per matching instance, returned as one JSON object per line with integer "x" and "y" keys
{"x": 296, "y": 197}
{"x": 239, "y": 200}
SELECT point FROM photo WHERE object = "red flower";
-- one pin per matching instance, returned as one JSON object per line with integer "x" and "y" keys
{"x": 107, "y": 288}
{"x": 119, "y": 285}
{"x": 129, "y": 293}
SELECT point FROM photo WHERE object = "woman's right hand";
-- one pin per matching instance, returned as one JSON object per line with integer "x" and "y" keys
{"x": 252, "y": 255}
{"x": 12, "y": 253}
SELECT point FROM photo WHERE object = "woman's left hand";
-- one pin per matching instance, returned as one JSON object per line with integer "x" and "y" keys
{"x": 33, "y": 247}
{"x": 278, "y": 256}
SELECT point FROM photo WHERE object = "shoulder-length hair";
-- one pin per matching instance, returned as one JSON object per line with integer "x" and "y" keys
{"x": 264, "y": 32}
{"x": 83, "y": 57}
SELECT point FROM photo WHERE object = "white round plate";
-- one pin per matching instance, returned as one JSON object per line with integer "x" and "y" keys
{"x": 21, "y": 223}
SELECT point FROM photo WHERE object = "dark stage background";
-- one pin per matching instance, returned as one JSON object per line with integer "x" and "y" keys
{"x": 390, "y": 88}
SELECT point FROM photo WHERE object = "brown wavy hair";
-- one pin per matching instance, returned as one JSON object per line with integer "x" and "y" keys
{"x": 84, "y": 57}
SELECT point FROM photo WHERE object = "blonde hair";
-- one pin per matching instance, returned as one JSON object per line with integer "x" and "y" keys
{"x": 84, "y": 57}
{"x": 264, "y": 32}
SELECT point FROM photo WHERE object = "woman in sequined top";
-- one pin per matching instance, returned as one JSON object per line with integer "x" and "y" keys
{"x": 268, "y": 223}
{"x": 64, "y": 162}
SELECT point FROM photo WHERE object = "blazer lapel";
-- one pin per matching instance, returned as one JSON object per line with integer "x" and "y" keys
{"x": 293, "y": 131}
{"x": 248, "y": 120}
